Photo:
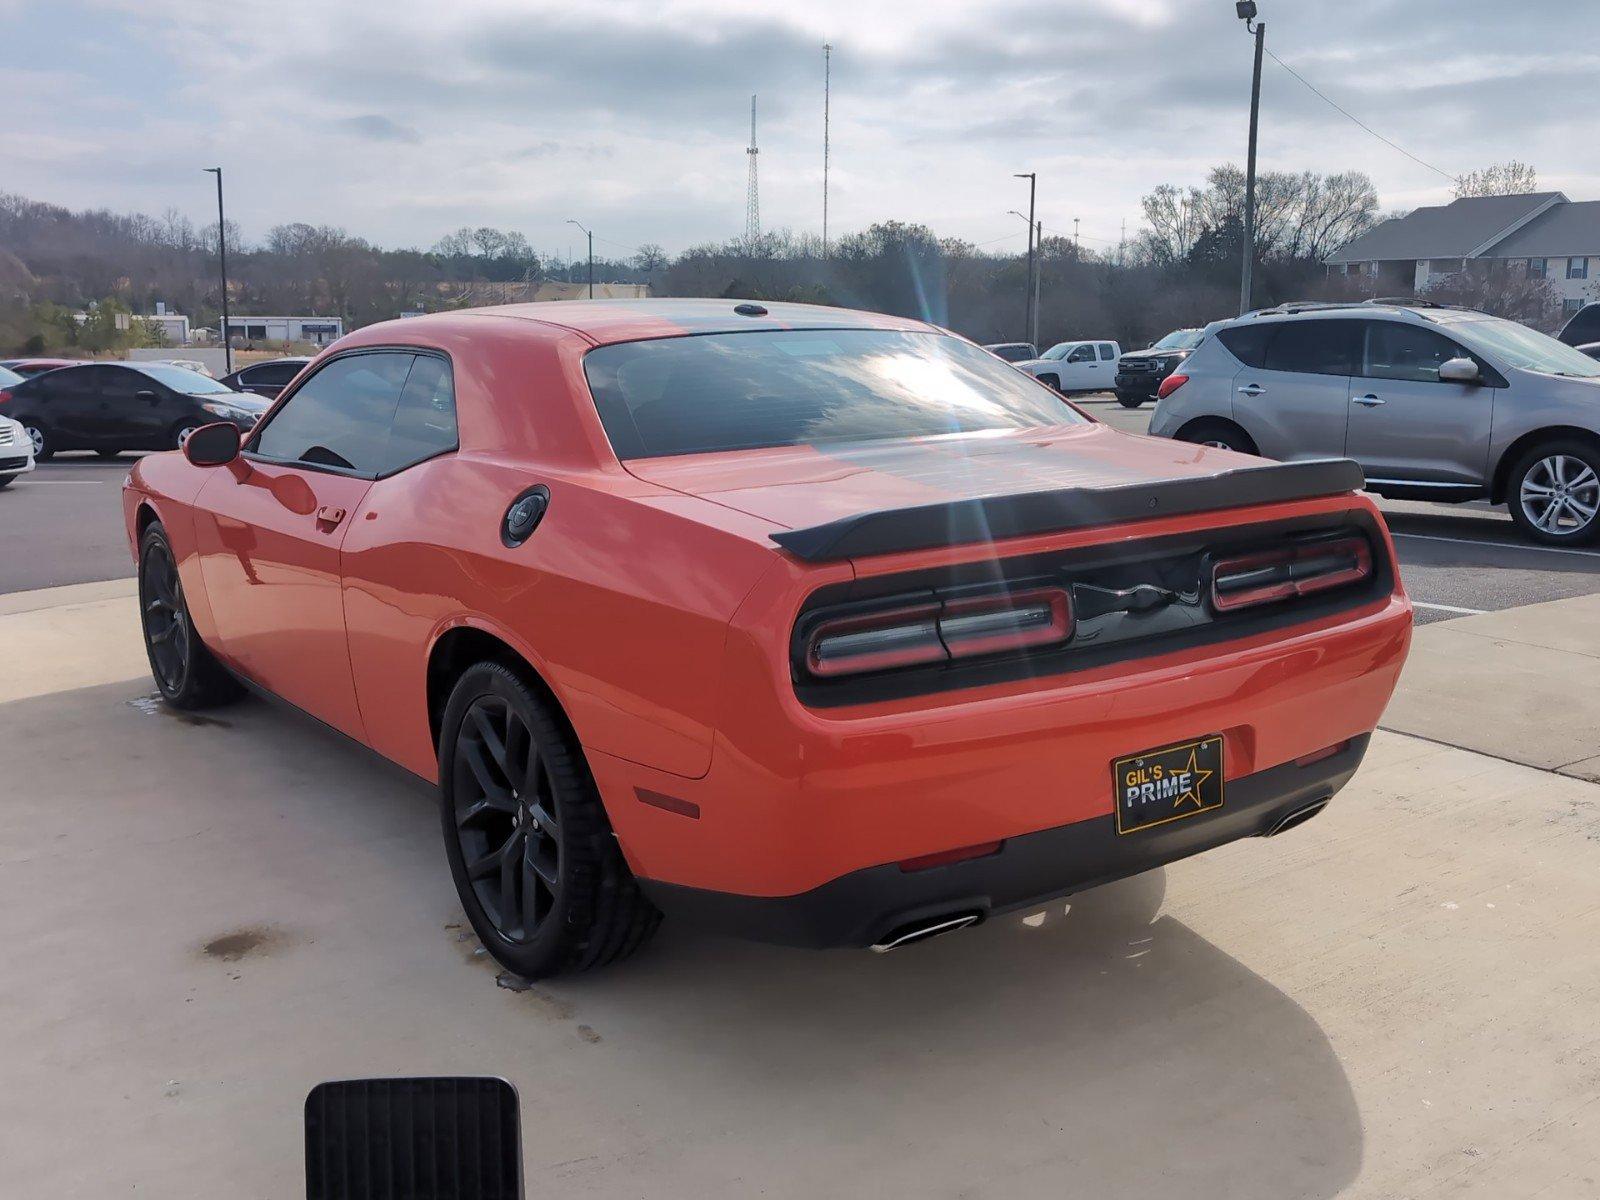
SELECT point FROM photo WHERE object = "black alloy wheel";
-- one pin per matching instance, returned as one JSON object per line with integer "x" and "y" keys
{"x": 185, "y": 671}
{"x": 505, "y": 819}
{"x": 535, "y": 863}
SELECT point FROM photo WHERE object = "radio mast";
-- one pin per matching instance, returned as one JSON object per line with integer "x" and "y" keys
{"x": 752, "y": 198}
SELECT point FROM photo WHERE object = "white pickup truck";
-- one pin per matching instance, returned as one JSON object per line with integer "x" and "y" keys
{"x": 1088, "y": 366}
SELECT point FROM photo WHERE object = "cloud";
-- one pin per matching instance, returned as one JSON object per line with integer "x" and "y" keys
{"x": 378, "y": 128}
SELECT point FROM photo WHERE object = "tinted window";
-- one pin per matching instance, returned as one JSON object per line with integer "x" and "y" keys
{"x": 340, "y": 417}
{"x": 67, "y": 382}
{"x": 425, "y": 421}
{"x": 1106, "y": 352}
{"x": 120, "y": 386}
{"x": 1247, "y": 343}
{"x": 743, "y": 391}
{"x": 1397, "y": 351}
{"x": 1584, "y": 326}
{"x": 271, "y": 375}
{"x": 1315, "y": 347}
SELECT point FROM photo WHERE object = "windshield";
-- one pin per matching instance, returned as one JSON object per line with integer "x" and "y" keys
{"x": 1516, "y": 345}
{"x": 1059, "y": 351}
{"x": 748, "y": 391}
{"x": 181, "y": 379}
{"x": 1180, "y": 339}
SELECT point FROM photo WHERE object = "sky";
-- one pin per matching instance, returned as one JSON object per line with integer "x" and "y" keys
{"x": 403, "y": 120}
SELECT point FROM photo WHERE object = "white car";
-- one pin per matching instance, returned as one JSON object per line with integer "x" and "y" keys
{"x": 16, "y": 450}
{"x": 1087, "y": 366}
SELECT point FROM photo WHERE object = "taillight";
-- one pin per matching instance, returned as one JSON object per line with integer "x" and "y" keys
{"x": 4, "y": 395}
{"x": 937, "y": 631}
{"x": 1170, "y": 384}
{"x": 1281, "y": 574}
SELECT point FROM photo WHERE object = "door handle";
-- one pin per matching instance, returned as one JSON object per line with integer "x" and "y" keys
{"x": 1252, "y": 389}
{"x": 328, "y": 514}
{"x": 1369, "y": 401}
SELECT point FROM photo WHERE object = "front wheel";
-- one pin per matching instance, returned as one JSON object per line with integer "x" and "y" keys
{"x": 43, "y": 450}
{"x": 5, "y": 481}
{"x": 535, "y": 863}
{"x": 1128, "y": 401}
{"x": 184, "y": 669}
{"x": 1554, "y": 493}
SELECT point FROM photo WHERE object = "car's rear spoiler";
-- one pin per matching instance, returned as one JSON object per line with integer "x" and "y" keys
{"x": 991, "y": 518}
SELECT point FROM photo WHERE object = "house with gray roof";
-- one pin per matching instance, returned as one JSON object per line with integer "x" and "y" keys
{"x": 1542, "y": 233}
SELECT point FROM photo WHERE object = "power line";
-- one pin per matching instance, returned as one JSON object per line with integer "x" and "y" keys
{"x": 1358, "y": 120}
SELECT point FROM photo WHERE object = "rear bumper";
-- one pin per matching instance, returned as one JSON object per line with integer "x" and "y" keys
{"x": 861, "y": 908}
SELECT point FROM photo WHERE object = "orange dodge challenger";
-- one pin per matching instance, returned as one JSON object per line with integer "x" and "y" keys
{"x": 820, "y": 627}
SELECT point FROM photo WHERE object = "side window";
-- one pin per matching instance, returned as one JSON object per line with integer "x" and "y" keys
{"x": 1315, "y": 347}
{"x": 74, "y": 383}
{"x": 1398, "y": 351}
{"x": 1081, "y": 354}
{"x": 1107, "y": 353}
{"x": 270, "y": 375}
{"x": 340, "y": 417}
{"x": 1247, "y": 343}
{"x": 119, "y": 386}
{"x": 425, "y": 421}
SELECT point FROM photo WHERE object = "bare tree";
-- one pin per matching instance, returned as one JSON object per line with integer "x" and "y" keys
{"x": 1511, "y": 178}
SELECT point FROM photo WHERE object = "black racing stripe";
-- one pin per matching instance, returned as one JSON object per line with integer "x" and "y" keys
{"x": 992, "y": 518}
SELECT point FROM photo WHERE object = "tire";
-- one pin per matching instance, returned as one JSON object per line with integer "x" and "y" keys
{"x": 5, "y": 481}
{"x": 108, "y": 453}
{"x": 1128, "y": 401}
{"x": 43, "y": 451}
{"x": 186, "y": 673}
{"x": 1568, "y": 471}
{"x": 181, "y": 435}
{"x": 1050, "y": 381}
{"x": 513, "y": 783}
{"x": 1217, "y": 432}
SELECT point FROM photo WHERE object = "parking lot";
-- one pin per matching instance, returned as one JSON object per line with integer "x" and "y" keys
{"x": 240, "y": 905}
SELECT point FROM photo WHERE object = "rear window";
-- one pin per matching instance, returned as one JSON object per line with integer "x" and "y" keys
{"x": 751, "y": 391}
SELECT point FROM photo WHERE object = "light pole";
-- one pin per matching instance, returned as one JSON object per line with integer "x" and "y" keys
{"x": 1036, "y": 232}
{"x": 222, "y": 256}
{"x": 1033, "y": 182}
{"x": 1247, "y": 13}
{"x": 590, "y": 234}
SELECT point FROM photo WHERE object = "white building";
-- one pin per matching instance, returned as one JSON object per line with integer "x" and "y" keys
{"x": 1542, "y": 233}
{"x": 174, "y": 326}
{"x": 319, "y": 331}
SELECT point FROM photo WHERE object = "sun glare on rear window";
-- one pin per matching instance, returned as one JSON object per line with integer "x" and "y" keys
{"x": 748, "y": 391}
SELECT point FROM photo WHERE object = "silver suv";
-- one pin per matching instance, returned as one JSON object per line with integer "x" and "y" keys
{"x": 1435, "y": 403}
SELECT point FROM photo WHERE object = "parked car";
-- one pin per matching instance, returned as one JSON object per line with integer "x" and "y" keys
{"x": 1140, "y": 372}
{"x": 16, "y": 451}
{"x": 1435, "y": 403}
{"x": 1592, "y": 349}
{"x": 1582, "y": 327}
{"x": 882, "y": 570}
{"x": 265, "y": 378}
{"x": 1013, "y": 352}
{"x": 111, "y": 407}
{"x": 189, "y": 364}
{"x": 29, "y": 367}
{"x": 1076, "y": 366}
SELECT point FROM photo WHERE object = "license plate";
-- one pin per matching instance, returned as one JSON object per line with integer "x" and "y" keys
{"x": 1168, "y": 784}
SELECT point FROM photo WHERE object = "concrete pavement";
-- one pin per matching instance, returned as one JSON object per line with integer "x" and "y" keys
{"x": 202, "y": 917}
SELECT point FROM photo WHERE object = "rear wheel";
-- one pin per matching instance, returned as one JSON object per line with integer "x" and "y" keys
{"x": 185, "y": 671}
{"x": 183, "y": 433}
{"x": 1224, "y": 435}
{"x": 43, "y": 450}
{"x": 535, "y": 863}
{"x": 1554, "y": 493}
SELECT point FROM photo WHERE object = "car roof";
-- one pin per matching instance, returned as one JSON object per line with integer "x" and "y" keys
{"x": 607, "y": 321}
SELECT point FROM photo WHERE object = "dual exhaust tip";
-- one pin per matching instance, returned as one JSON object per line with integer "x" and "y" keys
{"x": 929, "y": 928}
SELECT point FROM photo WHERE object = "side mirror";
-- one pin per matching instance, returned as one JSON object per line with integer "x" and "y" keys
{"x": 148, "y": 395}
{"x": 213, "y": 445}
{"x": 1459, "y": 370}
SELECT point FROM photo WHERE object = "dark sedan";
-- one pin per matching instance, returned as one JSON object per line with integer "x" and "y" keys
{"x": 265, "y": 378}
{"x": 110, "y": 407}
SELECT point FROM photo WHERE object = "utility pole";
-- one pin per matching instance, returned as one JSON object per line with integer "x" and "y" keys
{"x": 1247, "y": 13}
{"x": 827, "y": 101}
{"x": 1038, "y": 241}
{"x": 590, "y": 234}
{"x": 1033, "y": 182}
{"x": 222, "y": 257}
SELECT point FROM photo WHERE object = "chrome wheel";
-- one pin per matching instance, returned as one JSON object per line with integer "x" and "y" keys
{"x": 505, "y": 818}
{"x": 1560, "y": 495}
{"x": 183, "y": 434}
{"x": 36, "y": 436}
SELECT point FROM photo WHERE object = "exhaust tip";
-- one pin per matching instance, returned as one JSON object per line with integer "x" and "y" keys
{"x": 1298, "y": 817}
{"x": 921, "y": 931}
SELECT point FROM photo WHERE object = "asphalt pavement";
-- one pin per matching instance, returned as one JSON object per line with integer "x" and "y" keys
{"x": 63, "y": 524}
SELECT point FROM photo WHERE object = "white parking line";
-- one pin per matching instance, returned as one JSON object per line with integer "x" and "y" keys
{"x": 1450, "y": 608}
{"x": 1433, "y": 537}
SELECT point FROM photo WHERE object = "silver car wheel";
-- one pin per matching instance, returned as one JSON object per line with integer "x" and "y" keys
{"x": 1218, "y": 445}
{"x": 1560, "y": 495}
{"x": 183, "y": 434}
{"x": 36, "y": 436}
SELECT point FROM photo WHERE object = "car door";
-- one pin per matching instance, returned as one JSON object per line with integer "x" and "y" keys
{"x": 1080, "y": 370}
{"x": 131, "y": 410}
{"x": 1406, "y": 424}
{"x": 1292, "y": 396}
{"x": 67, "y": 405}
{"x": 271, "y": 532}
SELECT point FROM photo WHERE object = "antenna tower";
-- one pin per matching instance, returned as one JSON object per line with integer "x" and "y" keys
{"x": 752, "y": 198}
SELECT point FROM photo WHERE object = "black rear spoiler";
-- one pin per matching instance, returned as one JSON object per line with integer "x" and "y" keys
{"x": 991, "y": 518}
